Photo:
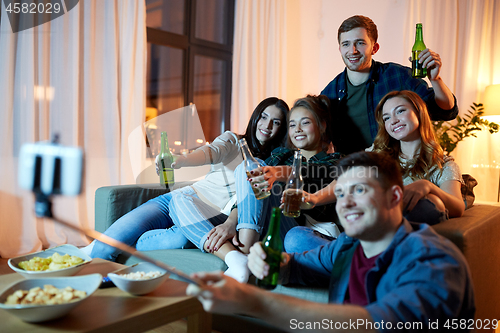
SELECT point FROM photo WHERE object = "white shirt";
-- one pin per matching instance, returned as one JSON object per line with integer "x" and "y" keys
{"x": 218, "y": 186}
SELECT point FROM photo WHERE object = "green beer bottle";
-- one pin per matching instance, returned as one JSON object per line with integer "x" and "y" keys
{"x": 273, "y": 246}
{"x": 417, "y": 70}
{"x": 165, "y": 163}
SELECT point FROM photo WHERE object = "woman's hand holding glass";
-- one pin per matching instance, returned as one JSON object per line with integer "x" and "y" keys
{"x": 257, "y": 179}
{"x": 264, "y": 177}
{"x": 309, "y": 201}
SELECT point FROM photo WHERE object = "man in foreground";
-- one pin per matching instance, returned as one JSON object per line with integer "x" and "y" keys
{"x": 383, "y": 272}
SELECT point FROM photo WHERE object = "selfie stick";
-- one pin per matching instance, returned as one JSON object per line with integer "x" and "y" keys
{"x": 56, "y": 169}
{"x": 130, "y": 250}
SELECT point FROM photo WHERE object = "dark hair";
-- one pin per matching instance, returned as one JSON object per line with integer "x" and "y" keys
{"x": 359, "y": 21}
{"x": 264, "y": 151}
{"x": 430, "y": 153}
{"x": 320, "y": 107}
{"x": 384, "y": 168}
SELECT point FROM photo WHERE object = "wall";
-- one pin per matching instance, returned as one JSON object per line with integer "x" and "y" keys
{"x": 313, "y": 58}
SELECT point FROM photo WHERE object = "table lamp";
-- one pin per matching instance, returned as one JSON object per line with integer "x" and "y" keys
{"x": 491, "y": 110}
{"x": 492, "y": 100}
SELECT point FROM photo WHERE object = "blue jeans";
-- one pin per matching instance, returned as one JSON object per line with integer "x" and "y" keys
{"x": 154, "y": 214}
{"x": 163, "y": 239}
{"x": 194, "y": 218}
{"x": 301, "y": 239}
{"x": 256, "y": 214}
{"x": 425, "y": 211}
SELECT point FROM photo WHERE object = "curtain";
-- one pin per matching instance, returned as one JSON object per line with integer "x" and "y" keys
{"x": 259, "y": 64}
{"x": 81, "y": 76}
{"x": 469, "y": 44}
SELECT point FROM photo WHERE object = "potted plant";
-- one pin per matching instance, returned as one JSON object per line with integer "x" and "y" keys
{"x": 449, "y": 135}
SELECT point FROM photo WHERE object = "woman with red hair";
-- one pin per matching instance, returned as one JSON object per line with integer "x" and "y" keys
{"x": 432, "y": 185}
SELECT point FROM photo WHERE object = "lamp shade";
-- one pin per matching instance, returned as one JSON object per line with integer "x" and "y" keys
{"x": 492, "y": 100}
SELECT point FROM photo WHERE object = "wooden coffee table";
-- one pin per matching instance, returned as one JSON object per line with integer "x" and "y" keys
{"x": 112, "y": 310}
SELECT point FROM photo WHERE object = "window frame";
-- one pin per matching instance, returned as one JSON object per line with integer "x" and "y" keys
{"x": 193, "y": 46}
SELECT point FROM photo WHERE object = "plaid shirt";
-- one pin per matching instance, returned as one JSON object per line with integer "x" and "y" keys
{"x": 384, "y": 78}
{"x": 319, "y": 171}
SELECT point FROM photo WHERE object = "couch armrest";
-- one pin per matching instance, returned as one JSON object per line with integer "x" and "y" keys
{"x": 477, "y": 234}
{"x": 112, "y": 202}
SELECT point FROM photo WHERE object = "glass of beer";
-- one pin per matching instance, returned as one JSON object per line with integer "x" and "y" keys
{"x": 292, "y": 200}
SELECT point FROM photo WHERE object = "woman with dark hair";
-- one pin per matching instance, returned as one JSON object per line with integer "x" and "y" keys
{"x": 432, "y": 185}
{"x": 308, "y": 122}
{"x": 254, "y": 136}
{"x": 207, "y": 203}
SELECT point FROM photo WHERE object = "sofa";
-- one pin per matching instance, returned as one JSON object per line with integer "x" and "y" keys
{"x": 475, "y": 233}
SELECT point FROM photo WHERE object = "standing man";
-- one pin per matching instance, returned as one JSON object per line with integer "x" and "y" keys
{"x": 356, "y": 91}
{"x": 383, "y": 273}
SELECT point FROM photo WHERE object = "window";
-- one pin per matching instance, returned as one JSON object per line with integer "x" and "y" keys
{"x": 190, "y": 49}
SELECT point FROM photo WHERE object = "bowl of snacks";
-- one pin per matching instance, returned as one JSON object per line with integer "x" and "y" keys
{"x": 63, "y": 260}
{"x": 43, "y": 299}
{"x": 139, "y": 279}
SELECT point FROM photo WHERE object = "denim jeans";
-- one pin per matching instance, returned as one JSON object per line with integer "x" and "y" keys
{"x": 184, "y": 221}
{"x": 256, "y": 214}
{"x": 163, "y": 239}
{"x": 194, "y": 218}
{"x": 301, "y": 239}
{"x": 154, "y": 214}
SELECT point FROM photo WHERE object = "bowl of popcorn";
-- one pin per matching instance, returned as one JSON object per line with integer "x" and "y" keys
{"x": 139, "y": 279}
{"x": 63, "y": 260}
{"x": 43, "y": 299}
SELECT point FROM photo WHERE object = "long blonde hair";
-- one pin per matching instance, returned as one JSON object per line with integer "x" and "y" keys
{"x": 430, "y": 153}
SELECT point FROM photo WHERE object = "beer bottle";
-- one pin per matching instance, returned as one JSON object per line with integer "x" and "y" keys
{"x": 165, "y": 163}
{"x": 273, "y": 246}
{"x": 416, "y": 68}
{"x": 251, "y": 164}
{"x": 293, "y": 190}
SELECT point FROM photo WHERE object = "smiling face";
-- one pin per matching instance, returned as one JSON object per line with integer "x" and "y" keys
{"x": 357, "y": 49}
{"x": 304, "y": 132}
{"x": 269, "y": 123}
{"x": 364, "y": 208}
{"x": 400, "y": 119}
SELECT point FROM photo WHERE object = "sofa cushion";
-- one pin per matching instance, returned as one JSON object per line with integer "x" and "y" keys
{"x": 476, "y": 234}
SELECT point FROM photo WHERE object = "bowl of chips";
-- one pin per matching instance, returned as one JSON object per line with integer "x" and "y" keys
{"x": 43, "y": 299}
{"x": 63, "y": 260}
{"x": 139, "y": 279}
